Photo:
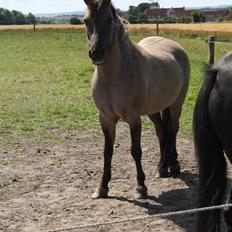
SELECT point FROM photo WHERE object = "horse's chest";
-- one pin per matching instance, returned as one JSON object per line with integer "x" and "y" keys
{"x": 114, "y": 99}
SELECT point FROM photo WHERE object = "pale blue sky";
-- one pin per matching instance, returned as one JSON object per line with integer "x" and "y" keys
{"x": 53, "y": 6}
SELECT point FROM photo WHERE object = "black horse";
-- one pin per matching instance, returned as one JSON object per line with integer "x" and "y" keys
{"x": 213, "y": 141}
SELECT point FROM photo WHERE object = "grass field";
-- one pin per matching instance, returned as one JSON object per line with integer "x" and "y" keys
{"x": 45, "y": 85}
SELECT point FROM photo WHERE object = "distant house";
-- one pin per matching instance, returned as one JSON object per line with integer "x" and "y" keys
{"x": 211, "y": 15}
{"x": 167, "y": 13}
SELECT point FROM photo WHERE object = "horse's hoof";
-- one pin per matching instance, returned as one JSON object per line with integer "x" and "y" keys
{"x": 162, "y": 173}
{"x": 228, "y": 215}
{"x": 100, "y": 193}
{"x": 175, "y": 171}
{"x": 141, "y": 193}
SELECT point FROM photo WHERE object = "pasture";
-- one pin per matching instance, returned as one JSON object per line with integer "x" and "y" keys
{"x": 51, "y": 144}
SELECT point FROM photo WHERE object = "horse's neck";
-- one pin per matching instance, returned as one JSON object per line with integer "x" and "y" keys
{"x": 119, "y": 55}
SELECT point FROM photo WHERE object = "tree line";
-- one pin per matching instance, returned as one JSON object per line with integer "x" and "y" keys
{"x": 136, "y": 14}
{"x": 15, "y": 17}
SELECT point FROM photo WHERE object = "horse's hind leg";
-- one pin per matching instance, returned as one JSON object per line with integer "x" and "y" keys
{"x": 174, "y": 165}
{"x": 108, "y": 127}
{"x": 136, "y": 151}
{"x": 161, "y": 131}
{"x": 166, "y": 130}
{"x": 175, "y": 113}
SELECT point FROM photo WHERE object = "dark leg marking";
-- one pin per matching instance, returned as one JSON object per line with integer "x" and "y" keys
{"x": 160, "y": 127}
{"x": 136, "y": 151}
{"x": 108, "y": 128}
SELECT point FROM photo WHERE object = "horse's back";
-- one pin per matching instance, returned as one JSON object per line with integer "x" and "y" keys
{"x": 166, "y": 49}
{"x": 160, "y": 45}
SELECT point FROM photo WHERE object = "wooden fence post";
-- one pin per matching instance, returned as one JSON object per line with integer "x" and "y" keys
{"x": 211, "y": 49}
{"x": 157, "y": 25}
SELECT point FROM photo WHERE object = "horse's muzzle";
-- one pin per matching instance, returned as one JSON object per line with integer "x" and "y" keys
{"x": 97, "y": 56}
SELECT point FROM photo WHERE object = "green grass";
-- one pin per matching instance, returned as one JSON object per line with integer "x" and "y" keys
{"x": 45, "y": 85}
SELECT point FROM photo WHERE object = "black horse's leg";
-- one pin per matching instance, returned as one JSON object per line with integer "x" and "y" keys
{"x": 108, "y": 127}
{"x": 136, "y": 151}
{"x": 228, "y": 215}
{"x": 161, "y": 131}
{"x": 173, "y": 128}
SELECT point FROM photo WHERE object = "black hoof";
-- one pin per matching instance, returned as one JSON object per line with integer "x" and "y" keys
{"x": 162, "y": 173}
{"x": 141, "y": 193}
{"x": 228, "y": 218}
{"x": 100, "y": 193}
{"x": 175, "y": 171}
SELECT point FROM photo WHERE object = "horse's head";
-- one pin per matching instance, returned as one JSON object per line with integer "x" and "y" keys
{"x": 100, "y": 20}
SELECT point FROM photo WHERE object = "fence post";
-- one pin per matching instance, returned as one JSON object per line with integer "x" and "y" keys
{"x": 211, "y": 49}
{"x": 34, "y": 27}
{"x": 157, "y": 25}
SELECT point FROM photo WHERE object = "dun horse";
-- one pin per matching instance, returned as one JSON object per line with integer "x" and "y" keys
{"x": 213, "y": 137}
{"x": 150, "y": 78}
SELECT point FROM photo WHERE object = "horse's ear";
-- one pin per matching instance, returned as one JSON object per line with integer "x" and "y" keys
{"x": 87, "y": 2}
{"x": 106, "y": 2}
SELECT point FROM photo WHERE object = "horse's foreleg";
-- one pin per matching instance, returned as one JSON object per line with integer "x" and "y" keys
{"x": 162, "y": 170}
{"x": 108, "y": 127}
{"x": 136, "y": 151}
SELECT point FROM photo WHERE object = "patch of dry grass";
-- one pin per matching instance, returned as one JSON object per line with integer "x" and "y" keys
{"x": 43, "y": 27}
{"x": 220, "y": 30}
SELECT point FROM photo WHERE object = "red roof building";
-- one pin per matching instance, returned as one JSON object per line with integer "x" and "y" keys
{"x": 210, "y": 15}
{"x": 167, "y": 13}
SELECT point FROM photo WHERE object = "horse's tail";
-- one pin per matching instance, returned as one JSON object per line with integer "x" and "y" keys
{"x": 211, "y": 160}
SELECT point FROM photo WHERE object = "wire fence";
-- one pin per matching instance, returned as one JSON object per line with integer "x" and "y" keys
{"x": 219, "y": 42}
{"x": 135, "y": 219}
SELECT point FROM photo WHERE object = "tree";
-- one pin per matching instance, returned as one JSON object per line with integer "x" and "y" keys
{"x": 136, "y": 14}
{"x": 198, "y": 16}
{"x": 142, "y": 18}
{"x": 229, "y": 16}
{"x": 31, "y": 19}
{"x": 18, "y": 17}
{"x": 154, "y": 5}
{"x": 75, "y": 21}
{"x": 219, "y": 19}
{"x": 143, "y": 6}
{"x": 5, "y": 16}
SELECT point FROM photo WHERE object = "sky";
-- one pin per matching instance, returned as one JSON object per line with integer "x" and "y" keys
{"x": 55, "y": 6}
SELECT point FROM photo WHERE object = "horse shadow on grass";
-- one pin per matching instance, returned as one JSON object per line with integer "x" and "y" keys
{"x": 171, "y": 201}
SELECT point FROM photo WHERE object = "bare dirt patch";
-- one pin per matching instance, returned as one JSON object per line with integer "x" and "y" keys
{"x": 50, "y": 187}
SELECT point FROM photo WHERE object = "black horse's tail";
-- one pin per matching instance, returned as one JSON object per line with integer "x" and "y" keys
{"x": 211, "y": 160}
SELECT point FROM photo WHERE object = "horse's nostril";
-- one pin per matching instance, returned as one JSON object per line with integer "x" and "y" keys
{"x": 96, "y": 55}
{"x": 90, "y": 53}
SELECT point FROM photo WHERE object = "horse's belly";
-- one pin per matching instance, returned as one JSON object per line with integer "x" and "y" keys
{"x": 153, "y": 106}
{"x": 163, "y": 96}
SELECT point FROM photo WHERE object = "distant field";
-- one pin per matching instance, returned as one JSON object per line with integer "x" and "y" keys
{"x": 43, "y": 27}
{"x": 45, "y": 85}
{"x": 221, "y": 30}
